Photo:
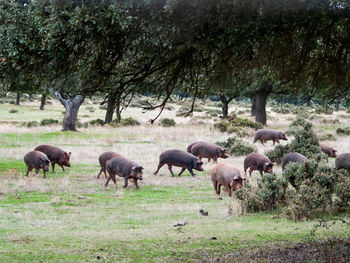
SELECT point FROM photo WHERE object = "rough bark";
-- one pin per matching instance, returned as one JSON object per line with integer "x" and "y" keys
{"x": 110, "y": 109}
{"x": 252, "y": 110}
{"x": 336, "y": 105}
{"x": 260, "y": 107}
{"x": 71, "y": 104}
{"x": 43, "y": 101}
{"x": 117, "y": 111}
{"x": 18, "y": 98}
{"x": 225, "y": 101}
{"x": 31, "y": 96}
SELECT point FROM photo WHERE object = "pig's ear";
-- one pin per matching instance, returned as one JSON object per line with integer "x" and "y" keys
{"x": 43, "y": 158}
{"x": 244, "y": 179}
{"x": 141, "y": 168}
{"x": 223, "y": 150}
{"x": 235, "y": 178}
{"x": 133, "y": 168}
{"x": 334, "y": 151}
{"x": 67, "y": 154}
{"x": 199, "y": 161}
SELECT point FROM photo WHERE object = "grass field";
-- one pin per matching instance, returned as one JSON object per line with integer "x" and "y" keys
{"x": 72, "y": 217}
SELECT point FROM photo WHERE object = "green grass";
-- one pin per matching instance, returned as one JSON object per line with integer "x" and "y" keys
{"x": 72, "y": 217}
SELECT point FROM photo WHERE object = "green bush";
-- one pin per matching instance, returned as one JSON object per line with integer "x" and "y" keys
{"x": 301, "y": 112}
{"x": 125, "y": 122}
{"x": 238, "y": 131}
{"x": 281, "y": 110}
{"x": 335, "y": 121}
{"x": 269, "y": 194}
{"x": 82, "y": 124}
{"x": 30, "y": 124}
{"x": 166, "y": 122}
{"x": 97, "y": 122}
{"x": 13, "y": 111}
{"x": 342, "y": 190}
{"x": 343, "y": 131}
{"x": 46, "y": 122}
{"x": 277, "y": 154}
{"x": 324, "y": 110}
{"x": 221, "y": 126}
{"x": 236, "y": 147}
{"x": 213, "y": 112}
{"x": 327, "y": 137}
{"x": 296, "y": 173}
{"x": 239, "y": 122}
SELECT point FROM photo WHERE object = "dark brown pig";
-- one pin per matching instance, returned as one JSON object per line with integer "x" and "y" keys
{"x": 264, "y": 135}
{"x": 190, "y": 146}
{"x": 104, "y": 157}
{"x": 257, "y": 161}
{"x": 124, "y": 168}
{"x": 293, "y": 157}
{"x": 180, "y": 159}
{"x": 208, "y": 150}
{"x": 342, "y": 161}
{"x": 55, "y": 155}
{"x": 328, "y": 150}
{"x": 37, "y": 160}
{"x": 226, "y": 175}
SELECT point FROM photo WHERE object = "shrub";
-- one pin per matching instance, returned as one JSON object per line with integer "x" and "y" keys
{"x": 82, "y": 124}
{"x": 30, "y": 124}
{"x": 236, "y": 147}
{"x": 342, "y": 190}
{"x": 46, "y": 122}
{"x": 166, "y": 122}
{"x": 343, "y": 131}
{"x": 124, "y": 122}
{"x": 97, "y": 122}
{"x": 239, "y": 132}
{"x": 213, "y": 112}
{"x": 277, "y": 154}
{"x": 301, "y": 112}
{"x": 269, "y": 194}
{"x": 296, "y": 173}
{"x": 13, "y": 111}
{"x": 324, "y": 110}
{"x": 327, "y": 137}
{"x": 281, "y": 110}
{"x": 221, "y": 126}
{"x": 245, "y": 123}
{"x": 182, "y": 111}
{"x": 325, "y": 121}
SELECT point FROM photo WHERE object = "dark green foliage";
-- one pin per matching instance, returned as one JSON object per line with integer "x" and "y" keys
{"x": 97, "y": 122}
{"x": 166, "y": 122}
{"x": 324, "y": 110}
{"x": 213, "y": 112}
{"x": 47, "y": 122}
{"x": 301, "y": 112}
{"x": 277, "y": 154}
{"x": 281, "y": 110}
{"x": 221, "y": 126}
{"x": 13, "y": 111}
{"x": 125, "y": 122}
{"x": 342, "y": 189}
{"x": 30, "y": 124}
{"x": 269, "y": 194}
{"x": 296, "y": 173}
{"x": 236, "y": 147}
{"x": 82, "y": 124}
{"x": 327, "y": 137}
{"x": 239, "y": 122}
{"x": 238, "y": 131}
{"x": 335, "y": 121}
{"x": 343, "y": 131}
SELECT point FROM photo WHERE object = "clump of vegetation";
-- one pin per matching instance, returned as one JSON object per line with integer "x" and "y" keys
{"x": 342, "y": 190}
{"x": 222, "y": 126}
{"x": 269, "y": 194}
{"x": 301, "y": 112}
{"x": 103, "y": 107}
{"x": 213, "y": 112}
{"x": 82, "y": 124}
{"x": 281, "y": 110}
{"x": 125, "y": 122}
{"x": 166, "y": 122}
{"x": 47, "y": 122}
{"x": 343, "y": 131}
{"x": 237, "y": 147}
{"x": 345, "y": 116}
{"x": 305, "y": 142}
{"x": 97, "y": 122}
{"x": 238, "y": 131}
{"x": 325, "y": 110}
{"x": 240, "y": 122}
{"x": 13, "y": 111}
{"x": 327, "y": 137}
{"x": 90, "y": 108}
{"x": 335, "y": 121}
{"x": 30, "y": 124}
{"x": 169, "y": 107}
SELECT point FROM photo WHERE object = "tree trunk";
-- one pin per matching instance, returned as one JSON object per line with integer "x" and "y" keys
{"x": 31, "y": 96}
{"x": 18, "y": 98}
{"x": 43, "y": 101}
{"x": 225, "y": 101}
{"x": 117, "y": 111}
{"x": 110, "y": 109}
{"x": 72, "y": 104}
{"x": 252, "y": 110}
{"x": 336, "y": 105}
{"x": 260, "y": 107}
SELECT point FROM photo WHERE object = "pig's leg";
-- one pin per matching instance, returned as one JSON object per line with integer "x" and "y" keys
{"x": 29, "y": 169}
{"x": 215, "y": 183}
{"x": 182, "y": 170}
{"x": 53, "y": 166}
{"x": 218, "y": 189}
{"x": 169, "y": 167}
{"x": 215, "y": 159}
{"x": 262, "y": 142}
{"x": 159, "y": 166}
{"x": 62, "y": 167}
{"x": 114, "y": 181}
{"x": 135, "y": 182}
{"x": 261, "y": 172}
{"x": 36, "y": 170}
{"x": 190, "y": 170}
{"x": 44, "y": 174}
{"x": 250, "y": 171}
{"x": 229, "y": 191}
{"x": 126, "y": 181}
{"x": 109, "y": 178}
{"x": 98, "y": 176}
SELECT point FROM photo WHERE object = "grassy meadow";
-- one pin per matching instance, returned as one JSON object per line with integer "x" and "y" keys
{"x": 72, "y": 217}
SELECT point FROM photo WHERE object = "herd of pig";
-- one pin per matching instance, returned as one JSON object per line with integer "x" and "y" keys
{"x": 221, "y": 174}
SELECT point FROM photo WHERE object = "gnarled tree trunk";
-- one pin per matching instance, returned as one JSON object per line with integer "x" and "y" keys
{"x": 252, "y": 109}
{"x": 43, "y": 101}
{"x": 225, "y": 101}
{"x": 72, "y": 104}
{"x": 110, "y": 109}
{"x": 260, "y": 108}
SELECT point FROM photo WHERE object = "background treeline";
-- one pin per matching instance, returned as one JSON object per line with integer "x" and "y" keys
{"x": 116, "y": 49}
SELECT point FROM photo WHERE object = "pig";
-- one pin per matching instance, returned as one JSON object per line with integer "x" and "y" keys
{"x": 264, "y": 135}
{"x": 37, "y": 160}
{"x": 207, "y": 150}
{"x": 257, "y": 161}
{"x": 342, "y": 161}
{"x": 55, "y": 155}
{"x": 328, "y": 150}
{"x": 124, "y": 168}
{"x": 190, "y": 146}
{"x": 227, "y": 175}
{"x": 293, "y": 157}
{"x": 180, "y": 159}
{"x": 104, "y": 157}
